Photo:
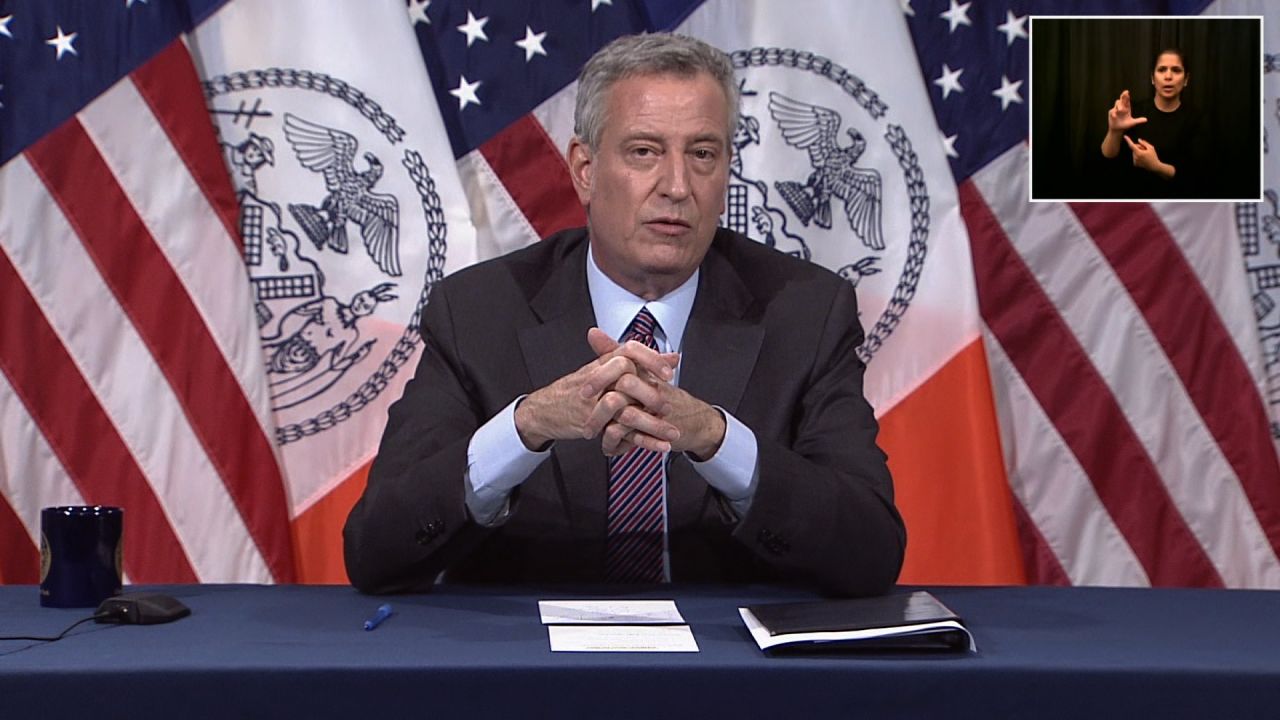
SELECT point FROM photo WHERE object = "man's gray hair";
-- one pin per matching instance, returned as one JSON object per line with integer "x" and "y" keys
{"x": 647, "y": 54}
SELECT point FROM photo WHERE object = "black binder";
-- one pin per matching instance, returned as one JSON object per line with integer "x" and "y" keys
{"x": 915, "y": 620}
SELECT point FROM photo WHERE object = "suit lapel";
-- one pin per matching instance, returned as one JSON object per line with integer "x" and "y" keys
{"x": 721, "y": 342}
{"x": 558, "y": 346}
{"x": 555, "y": 348}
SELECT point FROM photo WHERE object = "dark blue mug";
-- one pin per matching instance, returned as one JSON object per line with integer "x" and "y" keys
{"x": 80, "y": 553}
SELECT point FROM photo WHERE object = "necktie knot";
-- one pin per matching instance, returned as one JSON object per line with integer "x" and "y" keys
{"x": 642, "y": 328}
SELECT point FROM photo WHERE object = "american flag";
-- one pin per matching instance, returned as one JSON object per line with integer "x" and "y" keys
{"x": 128, "y": 357}
{"x": 1030, "y": 438}
{"x": 1124, "y": 360}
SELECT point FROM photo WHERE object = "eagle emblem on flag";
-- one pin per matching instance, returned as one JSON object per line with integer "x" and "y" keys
{"x": 853, "y": 199}
{"x": 351, "y": 199}
{"x": 816, "y": 129}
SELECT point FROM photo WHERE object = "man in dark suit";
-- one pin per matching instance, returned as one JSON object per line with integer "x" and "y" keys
{"x": 728, "y": 441}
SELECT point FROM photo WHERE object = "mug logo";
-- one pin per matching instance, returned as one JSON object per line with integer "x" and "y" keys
{"x": 46, "y": 559}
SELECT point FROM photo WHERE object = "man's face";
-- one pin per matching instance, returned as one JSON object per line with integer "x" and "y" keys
{"x": 655, "y": 187}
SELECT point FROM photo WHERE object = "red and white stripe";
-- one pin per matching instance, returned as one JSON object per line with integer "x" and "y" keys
{"x": 131, "y": 362}
{"x": 1134, "y": 429}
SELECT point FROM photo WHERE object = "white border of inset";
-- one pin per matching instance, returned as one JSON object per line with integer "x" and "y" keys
{"x": 1031, "y": 93}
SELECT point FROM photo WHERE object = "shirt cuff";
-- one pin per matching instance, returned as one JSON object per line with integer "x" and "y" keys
{"x": 497, "y": 461}
{"x": 732, "y": 470}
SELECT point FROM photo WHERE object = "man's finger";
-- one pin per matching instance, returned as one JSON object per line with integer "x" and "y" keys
{"x": 638, "y": 419}
{"x": 1132, "y": 144}
{"x": 609, "y": 406}
{"x": 600, "y": 341}
{"x": 618, "y": 439}
{"x": 648, "y": 442}
{"x": 644, "y": 393}
{"x": 660, "y": 365}
{"x": 605, "y": 375}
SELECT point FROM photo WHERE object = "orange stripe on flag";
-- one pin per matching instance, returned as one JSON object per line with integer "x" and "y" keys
{"x": 949, "y": 480}
{"x": 317, "y": 532}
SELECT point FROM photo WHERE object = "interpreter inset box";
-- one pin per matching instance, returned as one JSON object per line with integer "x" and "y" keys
{"x": 1146, "y": 108}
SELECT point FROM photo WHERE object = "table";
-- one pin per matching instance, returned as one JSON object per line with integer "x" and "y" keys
{"x": 468, "y": 652}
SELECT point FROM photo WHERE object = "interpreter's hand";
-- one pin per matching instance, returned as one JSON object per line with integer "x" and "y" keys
{"x": 1144, "y": 155}
{"x": 580, "y": 404}
{"x": 699, "y": 427}
{"x": 1120, "y": 117}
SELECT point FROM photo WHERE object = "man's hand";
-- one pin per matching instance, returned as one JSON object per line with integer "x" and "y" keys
{"x": 582, "y": 403}
{"x": 1120, "y": 117}
{"x": 699, "y": 427}
{"x": 1145, "y": 157}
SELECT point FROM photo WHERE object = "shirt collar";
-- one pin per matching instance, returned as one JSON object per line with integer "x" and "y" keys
{"x": 615, "y": 306}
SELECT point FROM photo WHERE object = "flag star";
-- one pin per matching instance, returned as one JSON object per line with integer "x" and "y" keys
{"x": 949, "y": 145}
{"x": 1014, "y": 27}
{"x": 129, "y": 3}
{"x": 532, "y": 43}
{"x": 1008, "y": 92}
{"x": 4, "y": 26}
{"x": 949, "y": 81}
{"x": 466, "y": 92}
{"x": 62, "y": 42}
{"x": 418, "y": 12}
{"x": 473, "y": 28}
{"x": 957, "y": 15}
{"x": 597, "y": 3}
{"x": 906, "y": 8}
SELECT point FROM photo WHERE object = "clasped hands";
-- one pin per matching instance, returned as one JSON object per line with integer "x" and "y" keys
{"x": 624, "y": 397}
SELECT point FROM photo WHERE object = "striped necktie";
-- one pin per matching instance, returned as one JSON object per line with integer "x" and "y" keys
{"x": 636, "y": 541}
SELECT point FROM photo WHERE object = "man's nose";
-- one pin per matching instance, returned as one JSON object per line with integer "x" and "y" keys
{"x": 675, "y": 177}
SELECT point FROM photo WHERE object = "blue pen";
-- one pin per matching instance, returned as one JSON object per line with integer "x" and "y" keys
{"x": 384, "y": 612}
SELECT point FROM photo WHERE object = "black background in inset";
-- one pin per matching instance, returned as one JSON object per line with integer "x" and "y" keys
{"x": 1081, "y": 66}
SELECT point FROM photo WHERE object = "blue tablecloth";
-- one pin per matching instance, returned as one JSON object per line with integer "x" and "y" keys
{"x": 286, "y": 651}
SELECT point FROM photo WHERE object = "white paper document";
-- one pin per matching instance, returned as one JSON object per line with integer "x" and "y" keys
{"x": 609, "y": 612}
{"x": 621, "y": 638}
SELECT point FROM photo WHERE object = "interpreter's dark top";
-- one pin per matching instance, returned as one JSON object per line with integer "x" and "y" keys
{"x": 1174, "y": 136}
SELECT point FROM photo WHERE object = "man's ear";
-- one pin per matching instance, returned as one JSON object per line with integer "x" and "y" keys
{"x": 580, "y": 168}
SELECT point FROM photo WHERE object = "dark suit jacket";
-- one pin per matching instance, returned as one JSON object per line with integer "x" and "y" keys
{"x": 771, "y": 339}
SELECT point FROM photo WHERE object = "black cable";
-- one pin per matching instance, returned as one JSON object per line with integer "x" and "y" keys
{"x": 60, "y": 635}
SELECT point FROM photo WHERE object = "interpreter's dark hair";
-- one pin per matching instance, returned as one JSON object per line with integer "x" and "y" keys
{"x": 1172, "y": 51}
{"x": 647, "y": 54}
